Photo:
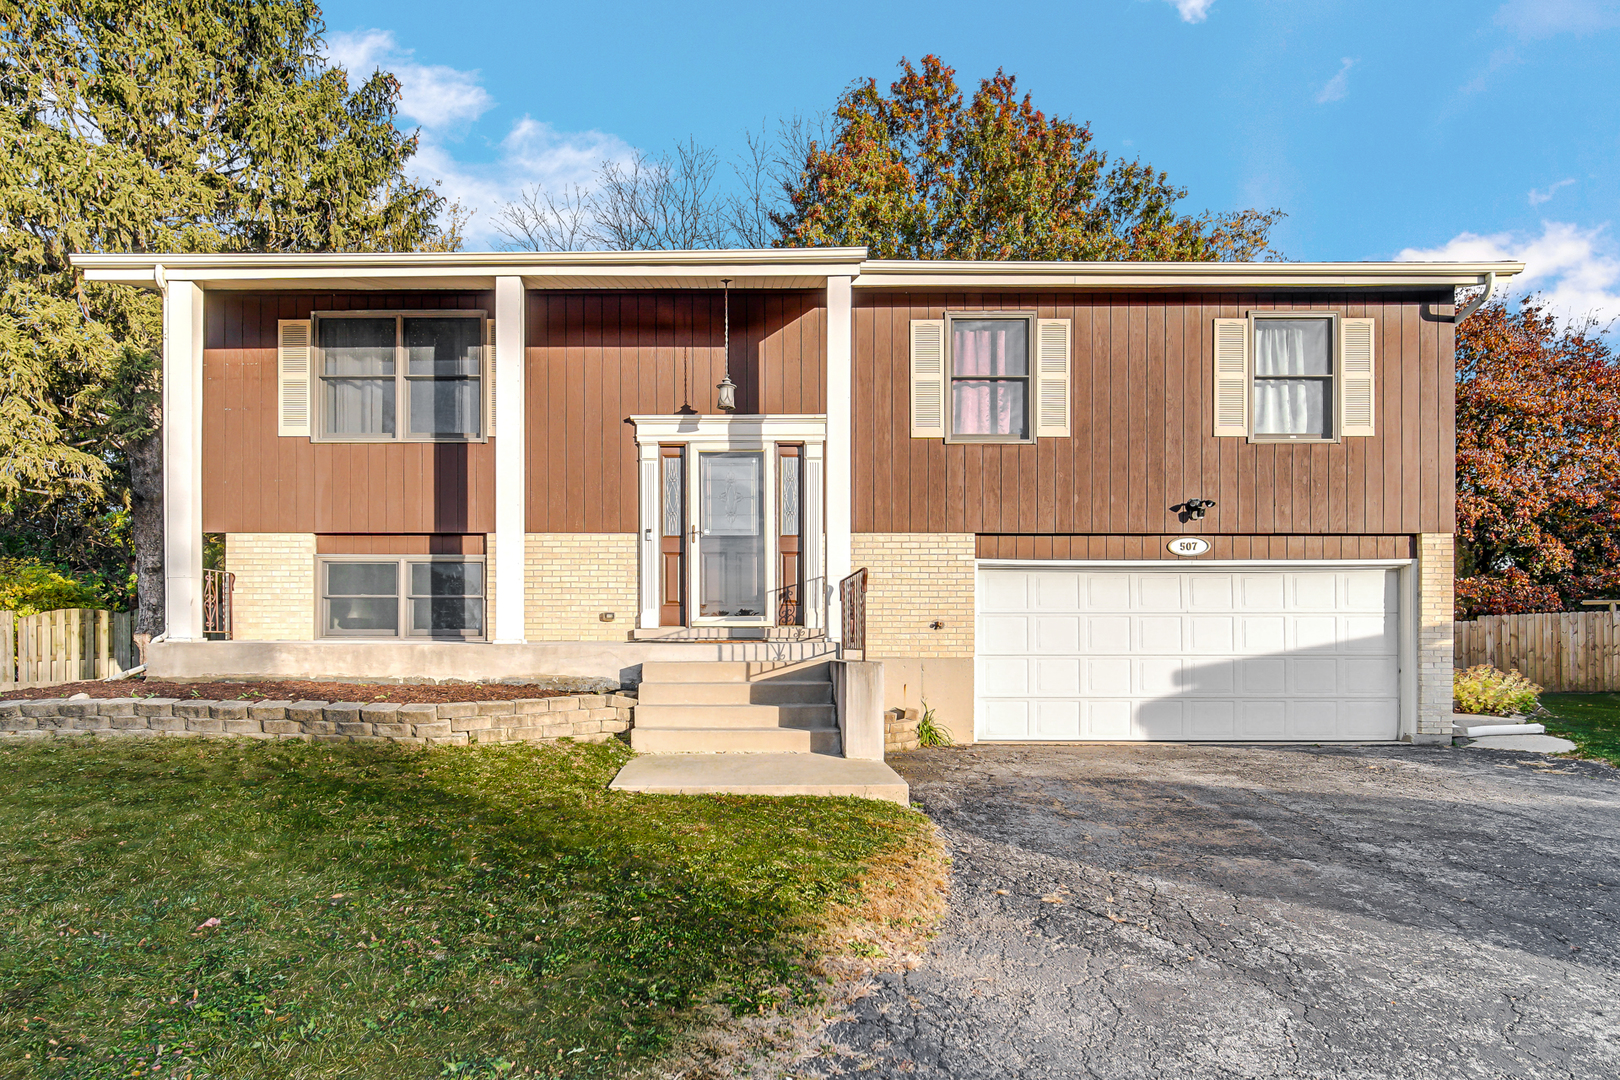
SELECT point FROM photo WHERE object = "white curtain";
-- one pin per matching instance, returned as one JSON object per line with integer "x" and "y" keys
{"x": 993, "y": 349}
{"x": 1291, "y": 393}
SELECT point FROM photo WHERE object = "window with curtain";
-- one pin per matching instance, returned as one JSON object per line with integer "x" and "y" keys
{"x": 401, "y": 376}
{"x": 990, "y": 377}
{"x": 1293, "y": 378}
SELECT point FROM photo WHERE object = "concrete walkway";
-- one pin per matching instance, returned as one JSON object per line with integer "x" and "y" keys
{"x": 760, "y": 774}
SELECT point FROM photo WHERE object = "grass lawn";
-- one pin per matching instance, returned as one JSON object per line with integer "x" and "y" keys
{"x": 1590, "y": 721}
{"x": 187, "y": 908}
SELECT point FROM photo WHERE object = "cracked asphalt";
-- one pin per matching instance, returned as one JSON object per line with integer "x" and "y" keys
{"x": 1205, "y": 911}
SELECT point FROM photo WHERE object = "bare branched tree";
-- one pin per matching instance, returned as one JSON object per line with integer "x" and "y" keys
{"x": 672, "y": 201}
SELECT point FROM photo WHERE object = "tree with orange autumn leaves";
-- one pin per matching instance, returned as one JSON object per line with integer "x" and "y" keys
{"x": 1538, "y": 462}
{"x": 922, "y": 173}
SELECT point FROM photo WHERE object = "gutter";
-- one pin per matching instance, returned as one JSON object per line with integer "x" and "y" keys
{"x": 1479, "y": 301}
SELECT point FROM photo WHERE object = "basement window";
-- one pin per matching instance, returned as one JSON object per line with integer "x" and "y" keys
{"x": 417, "y": 597}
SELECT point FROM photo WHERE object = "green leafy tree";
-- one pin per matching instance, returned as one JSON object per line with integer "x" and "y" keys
{"x": 922, "y": 173}
{"x": 160, "y": 126}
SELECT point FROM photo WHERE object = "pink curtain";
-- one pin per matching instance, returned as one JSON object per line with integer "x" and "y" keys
{"x": 990, "y": 359}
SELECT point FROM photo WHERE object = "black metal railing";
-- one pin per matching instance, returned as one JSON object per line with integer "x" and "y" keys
{"x": 217, "y": 588}
{"x": 852, "y": 613}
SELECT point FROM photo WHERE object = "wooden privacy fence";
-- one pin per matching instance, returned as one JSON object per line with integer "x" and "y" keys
{"x": 64, "y": 646}
{"x": 1562, "y": 651}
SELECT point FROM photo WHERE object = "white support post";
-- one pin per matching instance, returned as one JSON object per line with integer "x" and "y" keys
{"x": 840, "y": 443}
{"x": 182, "y": 461}
{"x": 511, "y": 501}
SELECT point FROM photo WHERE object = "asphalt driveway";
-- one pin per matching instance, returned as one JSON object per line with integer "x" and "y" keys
{"x": 1187, "y": 911}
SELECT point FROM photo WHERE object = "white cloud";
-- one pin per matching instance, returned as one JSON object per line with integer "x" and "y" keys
{"x": 1546, "y": 194}
{"x": 1544, "y": 18}
{"x": 533, "y": 152}
{"x": 433, "y": 95}
{"x": 1192, "y": 11}
{"x": 1578, "y": 270}
{"x": 1337, "y": 87}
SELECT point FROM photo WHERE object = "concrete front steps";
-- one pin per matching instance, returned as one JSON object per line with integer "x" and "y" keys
{"x": 760, "y": 707}
{"x": 761, "y": 774}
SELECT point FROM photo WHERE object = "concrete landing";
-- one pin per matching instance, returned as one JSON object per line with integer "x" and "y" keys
{"x": 1538, "y": 744}
{"x": 761, "y": 774}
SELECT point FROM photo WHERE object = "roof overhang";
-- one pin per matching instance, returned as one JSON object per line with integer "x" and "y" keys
{"x": 1227, "y": 276}
{"x": 787, "y": 268}
{"x": 774, "y": 268}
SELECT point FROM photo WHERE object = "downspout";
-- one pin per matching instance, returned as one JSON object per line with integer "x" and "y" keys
{"x": 1479, "y": 301}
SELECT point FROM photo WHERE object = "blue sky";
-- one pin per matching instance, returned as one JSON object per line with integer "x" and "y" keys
{"x": 1429, "y": 129}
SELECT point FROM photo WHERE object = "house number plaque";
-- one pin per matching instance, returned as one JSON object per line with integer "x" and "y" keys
{"x": 1188, "y": 546}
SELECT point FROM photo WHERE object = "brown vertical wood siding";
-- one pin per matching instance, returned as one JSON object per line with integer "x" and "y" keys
{"x": 1135, "y": 547}
{"x": 1141, "y": 405}
{"x": 257, "y": 481}
{"x": 597, "y": 358}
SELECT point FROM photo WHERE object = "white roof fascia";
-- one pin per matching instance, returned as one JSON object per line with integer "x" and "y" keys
{"x": 893, "y": 273}
{"x": 766, "y": 268}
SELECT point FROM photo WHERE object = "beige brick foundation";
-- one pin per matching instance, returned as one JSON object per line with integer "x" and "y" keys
{"x": 571, "y": 578}
{"x": 274, "y": 597}
{"x": 915, "y": 580}
{"x": 1435, "y": 601}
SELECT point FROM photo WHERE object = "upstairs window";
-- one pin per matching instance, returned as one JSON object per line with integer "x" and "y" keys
{"x": 400, "y": 377}
{"x": 1293, "y": 377}
{"x": 990, "y": 377}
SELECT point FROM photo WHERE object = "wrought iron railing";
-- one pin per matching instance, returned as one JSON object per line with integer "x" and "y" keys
{"x": 852, "y": 613}
{"x": 217, "y": 588}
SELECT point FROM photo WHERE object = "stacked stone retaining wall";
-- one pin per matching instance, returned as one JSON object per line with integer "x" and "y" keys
{"x": 900, "y": 730}
{"x": 581, "y": 717}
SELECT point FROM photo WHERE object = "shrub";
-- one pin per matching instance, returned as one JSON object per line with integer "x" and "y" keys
{"x": 28, "y": 587}
{"x": 929, "y": 733}
{"x": 1484, "y": 689}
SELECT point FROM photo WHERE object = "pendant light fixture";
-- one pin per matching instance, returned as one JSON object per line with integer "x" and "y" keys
{"x": 727, "y": 401}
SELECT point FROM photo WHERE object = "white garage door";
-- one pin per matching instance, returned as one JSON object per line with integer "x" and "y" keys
{"x": 1296, "y": 654}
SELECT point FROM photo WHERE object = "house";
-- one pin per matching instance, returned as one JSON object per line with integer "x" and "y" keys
{"x": 1091, "y": 500}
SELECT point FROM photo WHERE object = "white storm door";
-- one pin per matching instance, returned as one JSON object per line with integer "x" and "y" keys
{"x": 1249, "y": 654}
{"x": 731, "y": 543}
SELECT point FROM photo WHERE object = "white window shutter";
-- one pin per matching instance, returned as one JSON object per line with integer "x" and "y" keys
{"x": 928, "y": 378}
{"x": 1052, "y": 378}
{"x": 489, "y": 374}
{"x": 1355, "y": 377}
{"x": 1231, "y": 377}
{"x": 292, "y": 377}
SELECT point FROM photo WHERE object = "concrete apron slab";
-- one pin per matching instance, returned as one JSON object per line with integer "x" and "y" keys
{"x": 1539, "y": 744}
{"x": 761, "y": 774}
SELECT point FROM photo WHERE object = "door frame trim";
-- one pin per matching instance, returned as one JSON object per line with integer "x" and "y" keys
{"x": 700, "y": 434}
{"x": 1405, "y": 618}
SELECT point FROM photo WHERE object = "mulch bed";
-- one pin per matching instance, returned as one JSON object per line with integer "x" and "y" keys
{"x": 293, "y": 690}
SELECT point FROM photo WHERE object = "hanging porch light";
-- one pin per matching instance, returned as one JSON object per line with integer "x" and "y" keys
{"x": 727, "y": 401}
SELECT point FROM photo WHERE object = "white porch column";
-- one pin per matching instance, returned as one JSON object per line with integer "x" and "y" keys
{"x": 840, "y": 442}
{"x": 182, "y": 461}
{"x": 511, "y": 494}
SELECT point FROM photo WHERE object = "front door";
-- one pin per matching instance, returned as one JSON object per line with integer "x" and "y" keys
{"x": 730, "y": 540}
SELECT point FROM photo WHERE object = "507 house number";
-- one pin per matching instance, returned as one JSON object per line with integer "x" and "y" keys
{"x": 1188, "y": 546}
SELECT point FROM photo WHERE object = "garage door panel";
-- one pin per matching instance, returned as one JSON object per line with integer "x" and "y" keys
{"x": 1262, "y": 675}
{"x": 1057, "y": 675}
{"x": 1056, "y": 633}
{"x": 1186, "y": 654}
{"x": 1262, "y": 720}
{"x": 1005, "y": 676}
{"x": 1108, "y": 676}
{"x": 1006, "y": 719}
{"x": 1004, "y": 634}
{"x": 1108, "y": 634}
{"x": 1159, "y": 592}
{"x": 1159, "y": 633}
{"x": 1057, "y": 720}
{"x": 1107, "y": 719}
{"x": 1161, "y": 720}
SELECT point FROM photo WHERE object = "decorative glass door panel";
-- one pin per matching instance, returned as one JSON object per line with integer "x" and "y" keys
{"x": 731, "y": 538}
